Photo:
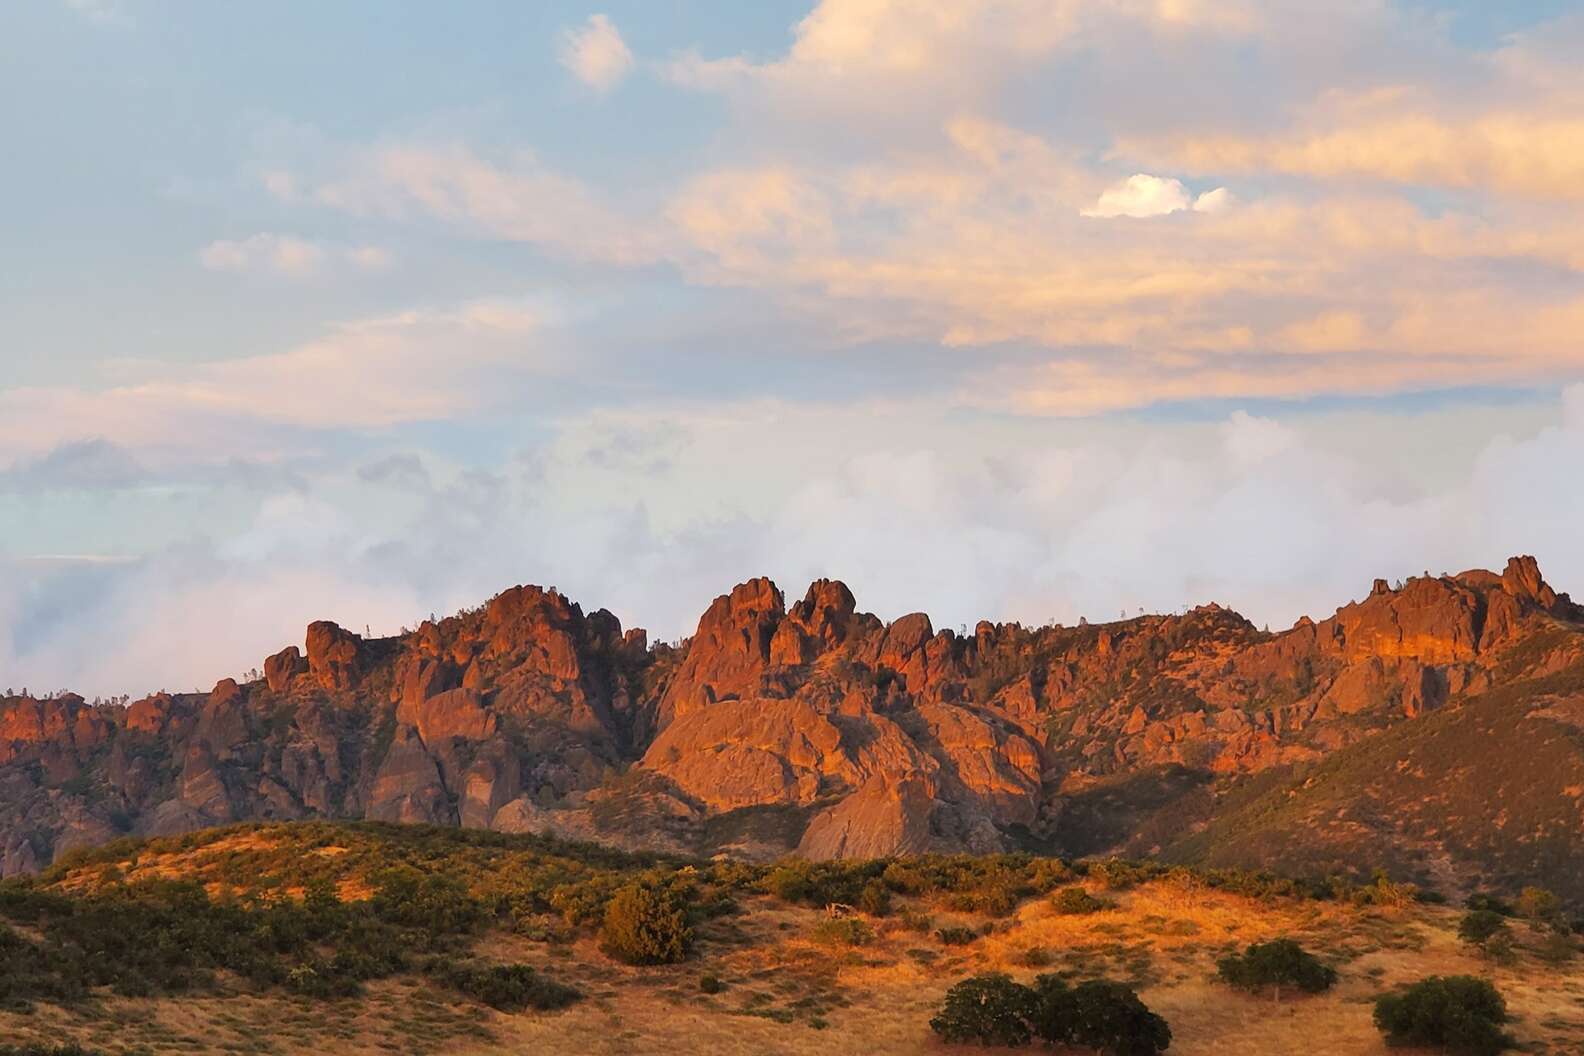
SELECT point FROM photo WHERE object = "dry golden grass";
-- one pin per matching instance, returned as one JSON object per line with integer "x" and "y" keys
{"x": 785, "y": 993}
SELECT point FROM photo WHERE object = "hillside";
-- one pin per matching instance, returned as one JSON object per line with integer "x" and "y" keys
{"x": 1430, "y": 727}
{"x": 350, "y": 939}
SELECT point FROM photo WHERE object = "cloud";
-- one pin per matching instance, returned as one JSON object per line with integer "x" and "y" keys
{"x": 596, "y": 54}
{"x": 1277, "y": 515}
{"x": 517, "y": 198}
{"x": 367, "y": 374}
{"x": 1141, "y": 195}
{"x": 288, "y": 255}
{"x": 94, "y": 464}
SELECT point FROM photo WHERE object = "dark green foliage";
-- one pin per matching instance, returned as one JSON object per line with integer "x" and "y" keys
{"x": 1484, "y": 900}
{"x": 711, "y": 984}
{"x": 1075, "y": 901}
{"x": 1479, "y": 926}
{"x": 1274, "y": 966}
{"x": 1098, "y": 1014}
{"x": 1458, "y": 1013}
{"x": 987, "y": 1009}
{"x": 822, "y": 884}
{"x": 507, "y": 987}
{"x": 956, "y": 936}
{"x": 1105, "y": 1016}
{"x": 645, "y": 925}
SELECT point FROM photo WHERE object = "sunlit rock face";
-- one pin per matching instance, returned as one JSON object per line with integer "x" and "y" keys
{"x": 811, "y": 727}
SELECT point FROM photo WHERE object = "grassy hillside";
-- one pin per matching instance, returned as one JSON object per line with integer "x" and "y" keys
{"x": 423, "y": 940}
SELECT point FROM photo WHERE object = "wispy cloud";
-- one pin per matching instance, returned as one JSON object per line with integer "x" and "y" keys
{"x": 288, "y": 255}
{"x": 596, "y": 54}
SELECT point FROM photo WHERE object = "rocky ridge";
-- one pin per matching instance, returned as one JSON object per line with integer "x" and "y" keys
{"x": 811, "y": 727}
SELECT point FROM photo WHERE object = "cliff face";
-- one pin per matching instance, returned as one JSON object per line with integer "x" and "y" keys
{"x": 812, "y": 727}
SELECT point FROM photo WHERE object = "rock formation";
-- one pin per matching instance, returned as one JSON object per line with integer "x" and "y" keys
{"x": 815, "y": 727}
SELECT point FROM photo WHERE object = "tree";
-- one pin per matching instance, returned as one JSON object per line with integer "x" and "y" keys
{"x": 988, "y": 1009}
{"x": 1274, "y": 965}
{"x": 1098, "y": 1014}
{"x": 1459, "y": 1013}
{"x": 1478, "y": 927}
{"x": 1539, "y": 905}
{"x": 645, "y": 926}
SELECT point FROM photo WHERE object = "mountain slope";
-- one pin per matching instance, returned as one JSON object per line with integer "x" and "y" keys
{"x": 818, "y": 728}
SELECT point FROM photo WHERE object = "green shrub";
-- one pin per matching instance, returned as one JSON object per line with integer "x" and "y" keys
{"x": 1075, "y": 901}
{"x": 1485, "y": 900}
{"x": 711, "y": 984}
{"x": 507, "y": 987}
{"x": 875, "y": 898}
{"x": 1480, "y": 926}
{"x": 843, "y": 931}
{"x": 987, "y": 1009}
{"x": 1098, "y": 1014}
{"x": 645, "y": 926}
{"x": 1459, "y": 1013}
{"x": 956, "y": 936}
{"x": 1274, "y": 965}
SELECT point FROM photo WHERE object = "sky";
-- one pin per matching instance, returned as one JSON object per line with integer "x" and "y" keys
{"x": 1008, "y": 309}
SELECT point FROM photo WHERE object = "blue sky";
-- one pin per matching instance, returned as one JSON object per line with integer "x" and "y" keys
{"x": 993, "y": 308}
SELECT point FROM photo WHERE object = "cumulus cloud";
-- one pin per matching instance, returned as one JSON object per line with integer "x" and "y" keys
{"x": 596, "y": 53}
{"x": 1141, "y": 195}
{"x": 288, "y": 255}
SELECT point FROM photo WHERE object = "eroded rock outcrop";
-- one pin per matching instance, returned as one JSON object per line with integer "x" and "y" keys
{"x": 814, "y": 726}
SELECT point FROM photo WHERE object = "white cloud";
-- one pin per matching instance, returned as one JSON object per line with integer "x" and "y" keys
{"x": 1214, "y": 201}
{"x": 1141, "y": 195}
{"x": 596, "y": 54}
{"x": 288, "y": 255}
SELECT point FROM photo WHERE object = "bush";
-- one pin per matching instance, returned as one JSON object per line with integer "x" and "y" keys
{"x": 1037, "y": 957}
{"x": 1099, "y": 1014}
{"x": 843, "y": 931}
{"x": 1075, "y": 901}
{"x": 875, "y": 898}
{"x": 1485, "y": 900}
{"x": 988, "y": 1009}
{"x": 645, "y": 926}
{"x": 956, "y": 936}
{"x": 711, "y": 984}
{"x": 1459, "y": 1013}
{"x": 1539, "y": 905}
{"x": 507, "y": 987}
{"x": 1276, "y": 964}
{"x": 1105, "y": 1016}
{"x": 1480, "y": 926}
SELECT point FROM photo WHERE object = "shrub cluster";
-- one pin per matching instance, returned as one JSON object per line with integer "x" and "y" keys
{"x": 1105, "y": 1016}
{"x": 1075, "y": 901}
{"x": 1458, "y": 1013}
{"x": 163, "y": 937}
